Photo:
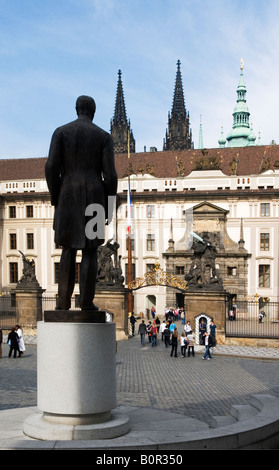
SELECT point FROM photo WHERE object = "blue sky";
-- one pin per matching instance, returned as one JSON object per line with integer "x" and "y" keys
{"x": 52, "y": 51}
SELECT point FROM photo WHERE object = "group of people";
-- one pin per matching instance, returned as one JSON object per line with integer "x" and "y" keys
{"x": 170, "y": 336}
{"x": 16, "y": 342}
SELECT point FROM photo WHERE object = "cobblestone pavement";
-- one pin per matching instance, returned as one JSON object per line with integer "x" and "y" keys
{"x": 148, "y": 377}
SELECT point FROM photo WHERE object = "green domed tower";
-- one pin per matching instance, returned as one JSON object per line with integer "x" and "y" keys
{"x": 241, "y": 134}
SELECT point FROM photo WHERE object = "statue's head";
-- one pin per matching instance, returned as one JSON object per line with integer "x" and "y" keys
{"x": 85, "y": 105}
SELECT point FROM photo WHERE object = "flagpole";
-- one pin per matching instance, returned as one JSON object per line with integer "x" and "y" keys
{"x": 130, "y": 269}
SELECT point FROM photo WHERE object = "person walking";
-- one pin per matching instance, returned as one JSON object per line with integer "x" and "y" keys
{"x": 13, "y": 342}
{"x": 154, "y": 331}
{"x": 149, "y": 331}
{"x": 207, "y": 346}
{"x": 174, "y": 343}
{"x": 21, "y": 345}
{"x": 142, "y": 331}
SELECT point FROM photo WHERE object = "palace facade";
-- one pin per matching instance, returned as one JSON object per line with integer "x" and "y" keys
{"x": 230, "y": 192}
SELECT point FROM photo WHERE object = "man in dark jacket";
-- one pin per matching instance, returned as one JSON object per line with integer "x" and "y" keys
{"x": 81, "y": 175}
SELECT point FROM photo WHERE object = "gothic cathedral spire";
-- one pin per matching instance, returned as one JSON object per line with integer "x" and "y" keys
{"x": 119, "y": 126}
{"x": 178, "y": 134}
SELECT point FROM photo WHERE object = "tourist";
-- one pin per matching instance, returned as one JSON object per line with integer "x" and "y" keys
{"x": 13, "y": 342}
{"x": 207, "y": 346}
{"x": 174, "y": 341}
{"x": 153, "y": 311}
{"x": 162, "y": 329}
{"x": 21, "y": 344}
{"x": 191, "y": 343}
{"x": 142, "y": 331}
{"x": 154, "y": 334}
{"x": 167, "y": 336}
{"x": 187, "y": 327}
{"x": 149, "y": 331}
{"x": 132, "y": 322}
{"x": 183, "y": 344}
{"x": 172, "y": 327}
{"x": 213, "y": 332}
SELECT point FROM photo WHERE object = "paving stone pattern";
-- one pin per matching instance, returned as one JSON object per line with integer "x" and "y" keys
{"x": 148, "y": 377}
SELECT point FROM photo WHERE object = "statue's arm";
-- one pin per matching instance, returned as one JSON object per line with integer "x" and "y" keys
{"x": 53, "y": 167}
{"x": 108, "y": 165}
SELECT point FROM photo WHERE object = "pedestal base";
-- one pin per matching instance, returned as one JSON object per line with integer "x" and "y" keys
{"x": 76, "y": 382}
{"x": 37, "y": 427}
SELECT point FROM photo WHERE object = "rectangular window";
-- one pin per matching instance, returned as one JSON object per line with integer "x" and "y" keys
{"x": 29, "y": 211}
{"x": 264, "y": 275}
{"x": 179, "y": 269}
{"x": 150, "y": 211}
{"x": 56, "y": 273}
{"x": 12, "y": 212}
{"x": 264, "y": 245}
{"x": 265, "y": 209}
{"x": 13, "y": 273}
{"x": 150, "y": 242}
{"x": 231, "y": 271}
{"x": 30, "y": 241}
{"x": 12, "y": 241}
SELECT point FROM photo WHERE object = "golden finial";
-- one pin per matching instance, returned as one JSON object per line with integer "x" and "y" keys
{"x": 241, "y": 64}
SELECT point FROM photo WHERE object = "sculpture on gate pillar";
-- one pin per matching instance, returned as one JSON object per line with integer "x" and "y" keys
{"x": 203, "y": 272}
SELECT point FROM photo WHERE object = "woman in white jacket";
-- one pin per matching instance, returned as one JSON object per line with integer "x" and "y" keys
{"x": 21, "y": 344}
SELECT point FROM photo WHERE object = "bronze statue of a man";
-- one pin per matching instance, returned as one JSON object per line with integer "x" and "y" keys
{"x": 80, "y": 172}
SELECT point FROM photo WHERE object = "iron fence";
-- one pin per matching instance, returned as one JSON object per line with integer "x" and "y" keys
{"x": 49, "y": 302}
{"x": 7, "y": 311}
{"x": 249, "y": 322}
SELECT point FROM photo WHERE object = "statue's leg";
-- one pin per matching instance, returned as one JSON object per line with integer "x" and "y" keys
{"x": 66, "y": 281}
{"x": 88, "y": 273}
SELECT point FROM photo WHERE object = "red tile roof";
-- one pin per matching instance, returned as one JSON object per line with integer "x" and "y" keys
{"x": 250, "y": 160}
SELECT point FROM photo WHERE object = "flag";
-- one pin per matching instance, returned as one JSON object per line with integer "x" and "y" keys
{"x": 129, "y": 209}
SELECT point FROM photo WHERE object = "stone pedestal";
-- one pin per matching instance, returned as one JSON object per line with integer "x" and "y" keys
{"x": 115, "y": 301}
{"x": 29, "y": 305}
{"x": 211, "y": 303}
{"x": 76, "y": 383}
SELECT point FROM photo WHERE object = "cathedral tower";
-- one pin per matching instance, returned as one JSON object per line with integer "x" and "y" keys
{"x": 178, "y": 134}
{"x": 119, "y": 126}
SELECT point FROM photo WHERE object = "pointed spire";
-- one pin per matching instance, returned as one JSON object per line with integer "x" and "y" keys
{"x": 120, "y": 127}
{"x": 178, "y": 134}
{"x": 241, "y": 242}
{"x": 120, "y": 110}
{"x": 238, "y": 136}
{"x": 178, "y": 106}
